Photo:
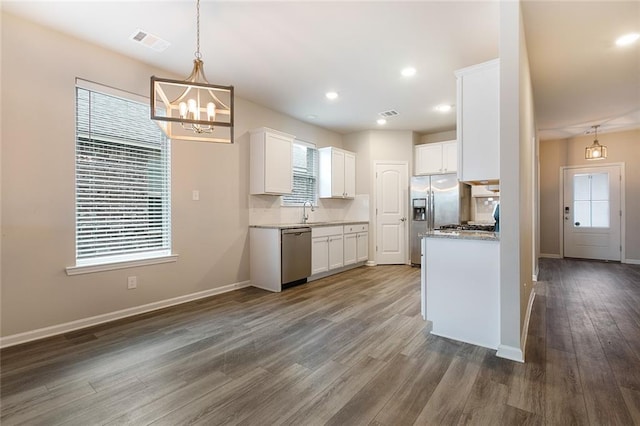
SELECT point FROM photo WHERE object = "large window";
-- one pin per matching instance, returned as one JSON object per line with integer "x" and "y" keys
{"x": 123, "y": 174}
{"x": 305, "y": 175}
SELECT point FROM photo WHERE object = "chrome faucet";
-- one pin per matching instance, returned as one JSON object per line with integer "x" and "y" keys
{"x": 305, "y": 216}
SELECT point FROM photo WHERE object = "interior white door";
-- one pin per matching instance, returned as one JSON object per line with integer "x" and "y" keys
{"x": 391, "y": 219}
{"x": 591, "y": 213}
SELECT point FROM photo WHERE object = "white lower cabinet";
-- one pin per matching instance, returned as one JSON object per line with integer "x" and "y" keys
{"x": 350, "y": 249}
{"x": 362, "y": 246}
{"x": 319, "y": 254}
{"x": 334, "y": 247}
{"x": 336, "y": 252}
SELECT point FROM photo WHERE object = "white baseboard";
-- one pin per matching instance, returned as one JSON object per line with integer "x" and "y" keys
{"x": 517, "y": 354}
{"x": 41, "y": 333}
{"x": 534, "y": 277}
{"x": 509, "y": 352}
{"x": 632, "y": 261}
{"x": 550, "y": 255}
{"x": 525, "y": 327}
{"x": 471, "y": 342}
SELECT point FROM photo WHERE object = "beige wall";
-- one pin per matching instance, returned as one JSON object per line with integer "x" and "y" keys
{"x": 622, "y": 147}
{"x": 39, "y": 67}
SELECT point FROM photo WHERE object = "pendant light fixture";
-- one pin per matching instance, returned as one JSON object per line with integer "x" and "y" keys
{"x": 595, "y": 151}
{"x": 193, "y": 109}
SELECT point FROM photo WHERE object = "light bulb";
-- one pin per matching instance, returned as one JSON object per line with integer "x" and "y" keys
{"x": 193, "y": 109}
{"x": 183, "y": 109}
{"x": 211, "y": 111}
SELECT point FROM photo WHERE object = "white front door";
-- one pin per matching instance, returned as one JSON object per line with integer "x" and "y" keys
{"x": 391, "y": 219}
{"x": 591, "y": 212}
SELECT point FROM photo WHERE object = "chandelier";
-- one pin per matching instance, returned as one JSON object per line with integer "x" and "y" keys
{"x": 193, "y": 109}
{"x": 595, "y": 151}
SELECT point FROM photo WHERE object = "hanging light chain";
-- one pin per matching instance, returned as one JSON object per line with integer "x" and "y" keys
{"x": 198, "y": 54}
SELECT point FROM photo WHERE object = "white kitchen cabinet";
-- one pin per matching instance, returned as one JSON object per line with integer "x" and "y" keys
{"x": 436, "y": 158}
{"x": 478, "y": 124}
{"x": 336, "y": 251}
{"x": 333, "y": 248}
{"x": 337, "y": 175}
{"x": 271, "y": 170}
{"x": 319, "y": 254}
{"x": 362, "y": 246}
{"x": 350, "y": 248}
{"x": 325, "y": 254}
{"x": 356, "y": 243}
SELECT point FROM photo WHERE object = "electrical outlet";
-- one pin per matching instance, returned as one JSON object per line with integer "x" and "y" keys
{"x": 195, "y": 195}
{"x": 132, "y": 282}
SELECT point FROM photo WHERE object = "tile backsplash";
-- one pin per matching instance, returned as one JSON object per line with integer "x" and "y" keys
{"x": 267, "y": 209}
{"x": 483, "y": 208}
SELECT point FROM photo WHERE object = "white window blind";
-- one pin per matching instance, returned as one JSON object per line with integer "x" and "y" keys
{"x": 123, "y": 209}
{"x": 305, "y": 174}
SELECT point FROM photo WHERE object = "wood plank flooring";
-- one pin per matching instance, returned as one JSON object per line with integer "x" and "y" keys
{"x": 350, "y": 349}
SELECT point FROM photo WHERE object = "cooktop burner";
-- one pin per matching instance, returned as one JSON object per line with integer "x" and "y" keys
{"x": 488, "y": 228}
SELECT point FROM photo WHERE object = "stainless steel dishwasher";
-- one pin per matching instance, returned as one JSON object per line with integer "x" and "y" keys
{"x": 296, "y": 255}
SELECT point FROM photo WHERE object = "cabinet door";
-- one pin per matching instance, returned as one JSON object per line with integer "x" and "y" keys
{"x": 337, "y": 173}
{"x": 479, "y": 122}
{"x": 319, "y": 254}
{"x": 278, "y": 176}
{"x": 450, "y": 157}
{"x": 428, "y": 159}
{"x": 363, "y": 246}
{"x": 349, "y": 175}
{"x": 336, "y": 251}
{"x": 350, "y": 248}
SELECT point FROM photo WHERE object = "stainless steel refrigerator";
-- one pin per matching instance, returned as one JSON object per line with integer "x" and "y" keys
{"x": 436, "y": 200}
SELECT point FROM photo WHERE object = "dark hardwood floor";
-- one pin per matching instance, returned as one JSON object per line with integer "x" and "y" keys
{"x": 349, "y": 349}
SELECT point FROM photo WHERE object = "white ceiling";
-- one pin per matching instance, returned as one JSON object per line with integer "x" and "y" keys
{"x": 286, "y": 55}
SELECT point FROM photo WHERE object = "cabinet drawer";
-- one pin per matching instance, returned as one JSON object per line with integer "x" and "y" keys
{"x": 359, "y": 227}
{"x": 325, "y": 231}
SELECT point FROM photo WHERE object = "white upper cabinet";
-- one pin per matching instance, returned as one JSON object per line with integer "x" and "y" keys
{"x": 436, "y": 158}
{"x": 271, "y": 170}
{"x": 478, "y": 125}
{"x": 337, "y": 177}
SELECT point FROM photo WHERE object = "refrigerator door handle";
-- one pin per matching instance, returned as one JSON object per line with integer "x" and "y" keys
{"x": 432, "y": 212}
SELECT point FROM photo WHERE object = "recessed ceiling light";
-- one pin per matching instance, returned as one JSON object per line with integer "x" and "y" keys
{"x": 381, "y": 121}
{"x": 408, "y": 72}
{"x": 627, "y": 39}
{"x": 312, "y": 116}
{"x": 444, "y": 108}
{"x": 331, "y": 95}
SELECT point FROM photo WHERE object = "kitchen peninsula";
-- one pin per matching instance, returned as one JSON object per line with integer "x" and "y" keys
{"x": 461, "y": 285}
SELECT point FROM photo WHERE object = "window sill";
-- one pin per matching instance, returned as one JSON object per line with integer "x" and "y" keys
{"x": 110, "y": 266}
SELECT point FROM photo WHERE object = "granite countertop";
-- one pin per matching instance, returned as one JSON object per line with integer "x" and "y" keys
{"x": 463, "y": 235}
{"x": 310, "y": 224}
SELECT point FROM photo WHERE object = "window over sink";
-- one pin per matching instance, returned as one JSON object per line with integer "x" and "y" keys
{"x": 305, "y": 175}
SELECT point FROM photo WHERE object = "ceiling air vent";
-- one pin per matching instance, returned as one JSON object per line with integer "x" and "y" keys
{"x": 390, "y": 113}
{"x": 149, "y": 40}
